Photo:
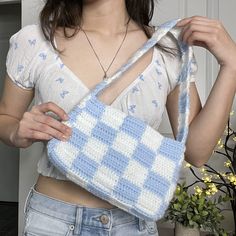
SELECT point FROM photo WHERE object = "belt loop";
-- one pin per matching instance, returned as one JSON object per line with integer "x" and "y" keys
{"x": 141, "y": 224}
{"x": 28, "y": 198}
{"x": 78, "y": 219}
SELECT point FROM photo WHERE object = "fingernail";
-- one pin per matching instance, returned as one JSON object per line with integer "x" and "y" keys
{"x": 66, "y": 117}
{"x": 65, "y": 138}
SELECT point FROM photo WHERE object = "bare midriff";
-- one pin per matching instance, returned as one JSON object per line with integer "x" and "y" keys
{"x": 69, "y": 192}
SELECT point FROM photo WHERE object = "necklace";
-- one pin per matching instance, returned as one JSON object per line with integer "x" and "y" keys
{"x": 105, "y": 71}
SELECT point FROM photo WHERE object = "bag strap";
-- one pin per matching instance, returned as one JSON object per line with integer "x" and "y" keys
{"x": 184, "y": 77}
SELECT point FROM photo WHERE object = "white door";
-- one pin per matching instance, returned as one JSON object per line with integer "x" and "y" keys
{"x": 165, "y": 10}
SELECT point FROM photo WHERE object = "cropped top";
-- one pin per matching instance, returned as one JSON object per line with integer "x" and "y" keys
{"x": 32, "y": 63}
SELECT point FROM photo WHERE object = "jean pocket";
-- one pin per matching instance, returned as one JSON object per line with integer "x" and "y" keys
{"x": 151, "y": 227}
{"x": 38, "y": 223}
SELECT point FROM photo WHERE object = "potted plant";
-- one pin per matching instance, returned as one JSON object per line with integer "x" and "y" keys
{"x": 192, "y": 212}
{"x": 223, "y": 182}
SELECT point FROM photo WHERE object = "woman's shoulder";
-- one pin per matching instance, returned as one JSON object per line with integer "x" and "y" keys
{"x": 28, "y": 35}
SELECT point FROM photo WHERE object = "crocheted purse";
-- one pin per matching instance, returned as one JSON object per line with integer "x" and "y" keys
{"x": 119, "y": 157}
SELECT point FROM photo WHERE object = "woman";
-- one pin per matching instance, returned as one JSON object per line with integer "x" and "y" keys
{"x": 109, "y": 32}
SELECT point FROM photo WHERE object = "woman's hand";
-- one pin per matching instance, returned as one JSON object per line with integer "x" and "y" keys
{"x": 36, "y": 126}
{"x": 210, "y": 34}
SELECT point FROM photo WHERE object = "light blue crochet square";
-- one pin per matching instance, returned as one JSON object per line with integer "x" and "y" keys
{"x": 126, "y": 192}
{"x": 94, "y": 109}
{"x": 153, "y": 180}
{"x": 115, "y": 161}
{"x": 84, "y": 166}
{"x": 171, "y": 149}
{"x": 138, "y": 127}
{"x": 144, "y": 155}
{"x": 79, "y": 139}
{"x": 104, "y": 133}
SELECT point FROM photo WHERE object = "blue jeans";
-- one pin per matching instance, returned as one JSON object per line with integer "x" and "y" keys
{"x": 47, "y": 216}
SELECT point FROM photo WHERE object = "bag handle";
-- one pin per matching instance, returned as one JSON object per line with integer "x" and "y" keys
{"x": 184, "y": 77}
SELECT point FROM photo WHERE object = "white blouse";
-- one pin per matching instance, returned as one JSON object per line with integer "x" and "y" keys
{"x": 32, "y": 63}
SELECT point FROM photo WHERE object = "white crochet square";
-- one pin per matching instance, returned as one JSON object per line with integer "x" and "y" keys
{"x": 127, "y": 143}
{"x": 85, "y": 123}
{"x": 95, "y": 149}
{"x": 151, "y": 202}
{"x": 151, "y": 138}
{"x": 113, "y": 117}
{"x": 164, "y": 167}
{"x": 105, "y": 179}
{"x": 135, "y": 173}
{"x": 67, "y": 153}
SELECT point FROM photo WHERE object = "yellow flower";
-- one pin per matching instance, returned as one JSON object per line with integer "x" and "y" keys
{"x": 223, "y": 174}
{"x": 212, "y": 188}
{"x": 220, "y": 144}
{"x": 187, "y": 165}
{"x": 177, "y": 189}
{"x": 202, "y": 170}
{"x": 227, "y": 163}
{"x": 206, "y": 179}
{"x": 216, "y": 176}
{"x": 232, "y": 113}
{"x": 234, "y": 139}
{"x": 232, "y": 178}
{"x": 208, "y": 193}
{"x": 198, "y": 190}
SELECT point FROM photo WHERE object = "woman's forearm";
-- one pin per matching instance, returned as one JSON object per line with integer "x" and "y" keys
{"x": 8, "y": 125}
{"x": 208, "y": 126}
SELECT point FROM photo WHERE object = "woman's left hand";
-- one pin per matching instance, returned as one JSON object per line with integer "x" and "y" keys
{"x": 210, "y": 34}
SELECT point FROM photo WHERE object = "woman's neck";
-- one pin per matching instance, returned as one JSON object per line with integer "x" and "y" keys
{"x": 107, "y": 17}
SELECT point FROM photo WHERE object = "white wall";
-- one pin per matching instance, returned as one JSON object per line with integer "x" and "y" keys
{"x": 164, "y": 10}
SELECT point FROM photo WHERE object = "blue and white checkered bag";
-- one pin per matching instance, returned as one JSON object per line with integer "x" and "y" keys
{"x": 119, "y": 157}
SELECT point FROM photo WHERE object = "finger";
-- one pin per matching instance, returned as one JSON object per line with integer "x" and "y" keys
{"x": 187, "y": 31}
{"x": 185, "y": 21}
{"x": 43, "y": 128}
{"x": 50, "y": 106}
{"x": 200, "y": 37}
{"x": 53, "y": 123}
{"x": 37, "y": 135}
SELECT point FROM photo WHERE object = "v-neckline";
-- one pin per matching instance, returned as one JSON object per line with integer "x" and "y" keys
{"x": 125, "y": 90}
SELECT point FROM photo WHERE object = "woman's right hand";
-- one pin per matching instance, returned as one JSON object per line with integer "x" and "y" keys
{"x": 36, "y": 126}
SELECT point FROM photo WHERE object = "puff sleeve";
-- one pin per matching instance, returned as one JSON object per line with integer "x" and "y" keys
{"x": 173, "y": 63}
{"x": 20, "y": 57}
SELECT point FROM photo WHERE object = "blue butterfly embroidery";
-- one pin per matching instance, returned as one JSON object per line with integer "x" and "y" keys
{"x": 20, "y": 68}
{"x": 60, "y": 80}
{"x": 157, "y": 62}
{"x": 135, "y": 89}
{"x": 158, "y": 72}
{"x": 64, "y": 93}
{"x": 16, "y": 45}
{"x": 32, "y": 42}
{"x": 155, "y": 103}
{"x": 43, "y": 55}
{"x": 61, "y": 65}
{"x": 131, "y": 108}
{"x": 159, "y": 85}
{"x": 141, "y": 77}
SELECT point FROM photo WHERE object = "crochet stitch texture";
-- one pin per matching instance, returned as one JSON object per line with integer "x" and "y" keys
{"x": 119, "y": 157}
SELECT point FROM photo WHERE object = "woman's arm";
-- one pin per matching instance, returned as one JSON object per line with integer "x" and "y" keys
{"x": 207, "y": 124}
{"x": 14, "y": 101}
{"x": 19, "y": 127}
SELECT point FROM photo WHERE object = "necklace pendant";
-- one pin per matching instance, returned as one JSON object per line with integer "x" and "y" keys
{"x": 105, "y": 76}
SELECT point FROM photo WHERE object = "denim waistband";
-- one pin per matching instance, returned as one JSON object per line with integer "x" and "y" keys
{"x": 78, "y": 214}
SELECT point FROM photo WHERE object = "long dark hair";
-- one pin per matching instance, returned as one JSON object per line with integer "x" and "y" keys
{"x": 67, "y": 13}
